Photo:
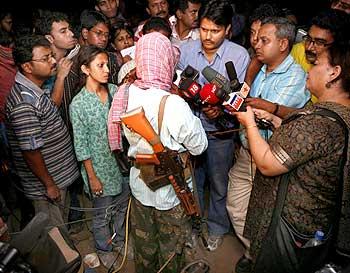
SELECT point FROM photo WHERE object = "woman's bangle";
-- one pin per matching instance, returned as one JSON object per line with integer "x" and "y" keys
{"x": 251, "y": 126}
{"x": 276, "y": 109}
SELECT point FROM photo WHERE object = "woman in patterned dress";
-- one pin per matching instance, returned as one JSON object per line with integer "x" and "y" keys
{"x": 307, "y": 151}
{"x": 103, "y": 180}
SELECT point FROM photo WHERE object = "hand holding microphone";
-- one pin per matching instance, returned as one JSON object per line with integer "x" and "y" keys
{"x": 247, "y": 118}
{"x": 231, "y": 93}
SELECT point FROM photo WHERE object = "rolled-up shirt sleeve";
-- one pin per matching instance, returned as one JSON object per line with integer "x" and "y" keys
{"x": 26, "y": 125}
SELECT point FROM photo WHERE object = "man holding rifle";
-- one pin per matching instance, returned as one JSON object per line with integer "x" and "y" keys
{"x": 161, "y": 128}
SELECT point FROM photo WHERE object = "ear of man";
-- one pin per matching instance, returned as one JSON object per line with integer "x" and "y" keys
{"x": 284, "y": 44}
{"x": 27, "y": 68}
{"x": 49, "y": 38}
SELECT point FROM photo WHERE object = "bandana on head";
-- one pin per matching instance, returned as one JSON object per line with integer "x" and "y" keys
{"x": 155, "y": 59}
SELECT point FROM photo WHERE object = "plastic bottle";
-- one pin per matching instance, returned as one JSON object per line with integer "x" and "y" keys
{"x": 317, "y": 240}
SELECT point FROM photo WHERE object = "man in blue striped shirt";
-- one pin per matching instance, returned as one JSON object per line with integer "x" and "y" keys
{"x": 41, "y": 147}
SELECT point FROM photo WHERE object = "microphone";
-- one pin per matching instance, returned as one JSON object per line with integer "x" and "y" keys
{"x": 235, "y": 100}
{"x": 208, "y": 94}
{"x": 235, "y": 85}
{"x": 216, "y": 78}
{"x": 232, "y": 75}
{"x": 189, "y": 73}
{"x": 188, "y": 85}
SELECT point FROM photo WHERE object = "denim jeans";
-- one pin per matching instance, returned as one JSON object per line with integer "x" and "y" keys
{"x": 108, "y": 220}
{"x": 213, "y": 165}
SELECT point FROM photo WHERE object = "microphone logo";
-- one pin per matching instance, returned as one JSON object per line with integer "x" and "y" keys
{"x": 194, "y": 88}
{"x": 235, "y": 101}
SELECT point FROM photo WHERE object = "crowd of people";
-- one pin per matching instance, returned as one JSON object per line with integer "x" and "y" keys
{"x": 66, "y": 84}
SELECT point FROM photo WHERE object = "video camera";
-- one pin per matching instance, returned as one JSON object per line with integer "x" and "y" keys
{"x": 11, "y": 261}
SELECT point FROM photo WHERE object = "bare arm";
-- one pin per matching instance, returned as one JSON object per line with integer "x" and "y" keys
{"x": 95, "y": 183}
{"x": 36, "y": 164}
{"x": 261, "y": 152}
{"x": 273, "y": 108}
{"x": 63, "y": 68}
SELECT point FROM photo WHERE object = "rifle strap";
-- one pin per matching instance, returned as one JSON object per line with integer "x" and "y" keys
{"x": 161, "y": 113}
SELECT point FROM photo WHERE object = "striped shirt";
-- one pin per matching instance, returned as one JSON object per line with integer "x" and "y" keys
{"x": 34, "y": 122}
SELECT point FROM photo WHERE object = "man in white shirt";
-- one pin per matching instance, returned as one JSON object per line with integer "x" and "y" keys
{"x": 159, "y": 224}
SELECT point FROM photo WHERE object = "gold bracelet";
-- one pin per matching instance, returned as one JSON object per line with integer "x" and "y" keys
{"x": 251, "y": 126}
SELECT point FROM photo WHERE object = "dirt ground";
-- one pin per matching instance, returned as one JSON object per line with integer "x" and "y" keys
{"x": 222, "y": 260}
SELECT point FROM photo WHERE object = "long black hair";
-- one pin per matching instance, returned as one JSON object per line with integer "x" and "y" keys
{"x": 85, "y": 56}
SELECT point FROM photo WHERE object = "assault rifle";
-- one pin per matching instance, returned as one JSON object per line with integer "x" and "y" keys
{"x": 167, "y": 162}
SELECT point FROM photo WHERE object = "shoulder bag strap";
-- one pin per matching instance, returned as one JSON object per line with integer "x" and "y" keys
{"x": 161, "y": 113}
{"x": 339, "y": 204}
{"x": 283, "y": 186}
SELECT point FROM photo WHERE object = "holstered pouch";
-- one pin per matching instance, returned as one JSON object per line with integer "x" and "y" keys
{"x": 156, "y": 176}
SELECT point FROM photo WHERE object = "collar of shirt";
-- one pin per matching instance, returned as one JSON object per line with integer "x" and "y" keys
{"x": 23, "y": 80}
{"x": 282, "y": 67}
{"x": 193, "y": 34}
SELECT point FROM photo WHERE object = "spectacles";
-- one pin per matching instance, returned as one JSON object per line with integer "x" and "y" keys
{"x": 340, "y": 5}
{"x": 317, "y": 42}
{"x": 47, "y": 58}
{"x": 100, "y": 33}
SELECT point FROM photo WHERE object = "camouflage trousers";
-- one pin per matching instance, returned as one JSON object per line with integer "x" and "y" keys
{"x": 157, "y": 235}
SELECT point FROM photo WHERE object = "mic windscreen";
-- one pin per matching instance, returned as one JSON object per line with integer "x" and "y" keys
{"x": 232, "y": 74}
{"x": 231, "y": 71}
{"x": 216, "y": 78}
{"x": 208, "y": 94}
{"x": 190, "y": 72}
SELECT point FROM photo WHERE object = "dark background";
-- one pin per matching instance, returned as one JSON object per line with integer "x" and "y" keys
{"x": 303, "y": 9}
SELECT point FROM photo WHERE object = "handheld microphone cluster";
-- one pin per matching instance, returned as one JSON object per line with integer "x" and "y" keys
{"x": 193, "y": 91}
{"x": 231, "y": 92}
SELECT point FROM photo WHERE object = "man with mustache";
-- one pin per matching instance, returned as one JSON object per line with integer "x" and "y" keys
{"x": 325, "y": 29}
{"x": 41, "y": 147}
{"x": 214, "y": 50}
{"x": 155, "y": 8}
{"x": 343, "y": 5}
{"x": 184, "y": 23}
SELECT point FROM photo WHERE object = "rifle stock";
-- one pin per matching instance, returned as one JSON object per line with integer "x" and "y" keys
{"x": 136, "y": 121}
{"x": 147, "y": 159}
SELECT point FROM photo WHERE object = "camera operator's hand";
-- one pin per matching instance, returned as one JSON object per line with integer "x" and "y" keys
{"x": 260, "y": 104}
{"x": 53, "y": 192}
{"x": 247, "y": 119}
{"x": 212, "y": 112}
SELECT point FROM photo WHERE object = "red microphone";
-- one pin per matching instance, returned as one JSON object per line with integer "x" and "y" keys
{"x": 208, "y": 94}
